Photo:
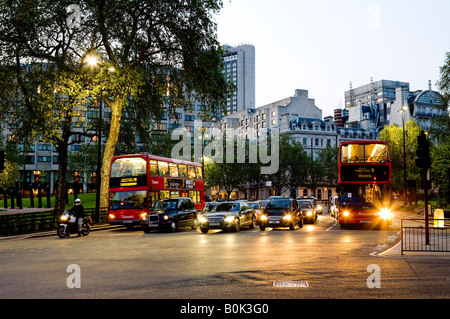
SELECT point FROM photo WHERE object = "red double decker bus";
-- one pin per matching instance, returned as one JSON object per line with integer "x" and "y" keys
{"x": 365, "y": 184}
{"x": 138, "y": 181}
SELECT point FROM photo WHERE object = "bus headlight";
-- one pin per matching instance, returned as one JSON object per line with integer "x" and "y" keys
{"x": 385, "y": 213}
{"x": 345, "y": 213}
{"x": 112, "y": 216}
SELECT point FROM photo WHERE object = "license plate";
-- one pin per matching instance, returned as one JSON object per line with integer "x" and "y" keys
{"x": 127, "y": 221}
{"x": 214, "y": 224}
{"x": 153, "y": 225}
{"x": 274, "y": 221}
{"x": 365, "y": 221}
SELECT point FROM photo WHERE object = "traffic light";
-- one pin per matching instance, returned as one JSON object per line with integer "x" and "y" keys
{"x": 2, "y": 160}
{"x": 423, "y": 159}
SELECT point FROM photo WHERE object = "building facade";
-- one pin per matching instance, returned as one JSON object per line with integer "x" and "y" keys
{"x": 239, "y": 68}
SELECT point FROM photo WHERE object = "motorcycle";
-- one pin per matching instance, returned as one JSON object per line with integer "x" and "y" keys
{"x": 69, "y": 225}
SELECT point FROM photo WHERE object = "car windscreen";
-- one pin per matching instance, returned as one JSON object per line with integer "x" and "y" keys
{"x": 165, "y": 205}
{"x": 305, "y": 204}
{"x": 279, "y": 204}
{"x": 254, "y": 205}
{"x": 227, "y": 207}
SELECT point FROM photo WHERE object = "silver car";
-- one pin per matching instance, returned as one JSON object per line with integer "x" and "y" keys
{"x": 228, "y": 216}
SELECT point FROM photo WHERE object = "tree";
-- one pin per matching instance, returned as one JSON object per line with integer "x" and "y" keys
{"x": 394, "y": 135}
{"x": 164, "y": 53}
{"x": 327, "y": 166}
{"x": 440, "y": 134}
{"x": 172, "y": 42}
{"x": 227, "y": 176}
{"x": 46, "y": 90}
{"x": 293, "y": 167}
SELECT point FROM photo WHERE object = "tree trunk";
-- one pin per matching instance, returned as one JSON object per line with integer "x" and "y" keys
{"x": 61, "y": 184}
{"x": 110, "y": 147}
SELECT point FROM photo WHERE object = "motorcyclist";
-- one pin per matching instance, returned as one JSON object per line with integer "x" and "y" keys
{"x": 78, "y": 211}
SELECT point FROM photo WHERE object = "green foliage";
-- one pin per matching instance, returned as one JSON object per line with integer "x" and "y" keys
{"x": 394, "y": 135}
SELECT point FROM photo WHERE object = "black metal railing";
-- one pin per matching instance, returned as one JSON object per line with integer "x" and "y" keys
{"x": 414, "y": 237}
{"x": 32, "y": 222}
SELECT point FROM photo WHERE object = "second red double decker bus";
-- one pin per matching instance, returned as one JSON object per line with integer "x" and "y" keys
{"x": 138, "y": 181}
{"x": 365, "y": 185}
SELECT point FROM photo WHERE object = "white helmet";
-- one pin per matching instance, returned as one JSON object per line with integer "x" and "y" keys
{"x": 77, "y": 201}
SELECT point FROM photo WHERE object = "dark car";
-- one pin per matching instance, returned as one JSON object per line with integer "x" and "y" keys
{"x": 228, "y": 216}
{"x": 282, "y": 213}
{"x": 170, "y": 214}
{"x": 317, "y": 206}
{"x": 308, "y": 210}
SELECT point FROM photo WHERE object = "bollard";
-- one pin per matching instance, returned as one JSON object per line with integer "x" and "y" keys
{"x": 40, "y": 195}
{"x": 438, "y": 218}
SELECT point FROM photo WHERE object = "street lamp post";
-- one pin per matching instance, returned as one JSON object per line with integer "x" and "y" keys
{"x": 93, "y": 61}
{"x": 403, "y": 110}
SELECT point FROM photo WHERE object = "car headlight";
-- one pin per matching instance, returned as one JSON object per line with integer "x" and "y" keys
{"x": 287, "y": 217}
{"x": 165, "y": 217}
{"x": 112, "y": 216}
{"x": 264, "y": 217}
{"x": 229, "y": 219}
{"x": 202, "y": 219}
{"x": 319, "y": 207}
{"x": 309, "y": 213}
{"x": 143, "y": 216}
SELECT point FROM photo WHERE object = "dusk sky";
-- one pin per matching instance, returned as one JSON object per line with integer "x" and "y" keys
{"x": 322, "y": 45}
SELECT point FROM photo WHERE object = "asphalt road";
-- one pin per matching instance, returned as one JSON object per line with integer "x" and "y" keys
{"x": 323, "y": 260}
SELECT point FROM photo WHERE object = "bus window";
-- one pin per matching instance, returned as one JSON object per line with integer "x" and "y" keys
{"x": 195, "y": 195}
{"x": 163, "y": 168}
{"x": 199, "y": 172}
{"x": 191, "y": 171}
{"x": 173, "y": 170}
{"x": 153, "y": 168}
{"x": 174, "y": 194}
{"x": 182, "y": 170}
{"x": 164, "y": 194}
{"x": 154, "y": 197}
{"x": 130, "y": 166}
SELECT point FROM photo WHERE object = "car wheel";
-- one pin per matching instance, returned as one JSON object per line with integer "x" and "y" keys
{"x": 300, "y": 224}
{"x": 146, "y": 229}
{"x": 253, "y": 224}
{"x": 292, "y": 225}
{"x": 204, "y": 230}
{"x": 237, "y": 225}
{"x": 173, "y": 227}
{"x": 262, "y": 227}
